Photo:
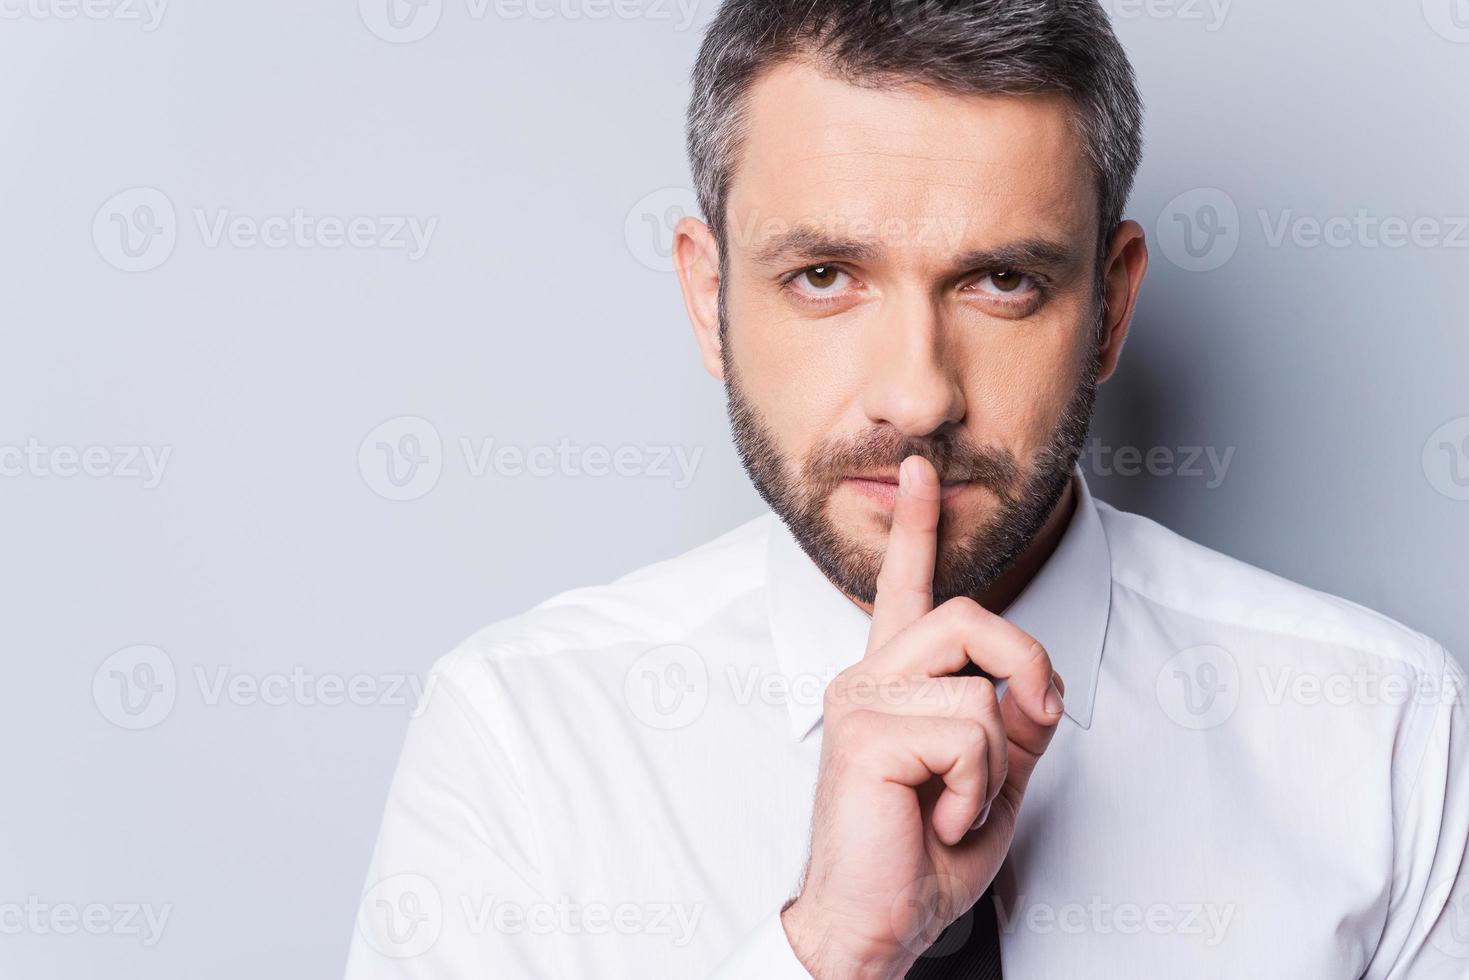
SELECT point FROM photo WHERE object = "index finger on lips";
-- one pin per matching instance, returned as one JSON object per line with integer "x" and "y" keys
{"x": 905, "y": 583}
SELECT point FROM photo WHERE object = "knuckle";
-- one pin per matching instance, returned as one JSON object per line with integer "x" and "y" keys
{"x": 961, "y": 606}
{"x": 857, "y": 730}
{"x": 970, "y": 697}
{"x": 982, "y": 690}
{"x": 974, "y": 733}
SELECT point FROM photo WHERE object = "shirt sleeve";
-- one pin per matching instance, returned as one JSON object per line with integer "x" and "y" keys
{"x": 1426, "y": 936}
{"x": 457, "y": 842}
{"x": 765, "y": 954}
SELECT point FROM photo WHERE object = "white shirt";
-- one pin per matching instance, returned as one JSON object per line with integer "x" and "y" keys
{"x": 1252, "y": 779}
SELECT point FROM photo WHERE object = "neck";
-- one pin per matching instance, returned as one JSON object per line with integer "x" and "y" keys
{"x": 1005, "y": 589}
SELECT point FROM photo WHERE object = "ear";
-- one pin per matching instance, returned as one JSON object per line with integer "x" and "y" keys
{"x": 696, "y": 257}
{"x": 1122, "y": 278}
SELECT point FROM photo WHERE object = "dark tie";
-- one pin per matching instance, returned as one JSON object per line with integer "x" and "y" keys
{"x": 969, "y": 949}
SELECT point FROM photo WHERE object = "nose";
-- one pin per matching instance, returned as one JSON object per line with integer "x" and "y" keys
{"x": 912, "y": 382}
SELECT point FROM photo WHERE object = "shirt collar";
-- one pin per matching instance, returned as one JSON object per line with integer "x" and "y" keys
{"x": 818, "y": 632}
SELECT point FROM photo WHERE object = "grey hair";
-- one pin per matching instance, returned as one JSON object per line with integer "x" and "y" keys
{"x": 989, "y": 47}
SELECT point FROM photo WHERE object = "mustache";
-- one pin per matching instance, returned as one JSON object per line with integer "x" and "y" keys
{"x": 954, "y": 458}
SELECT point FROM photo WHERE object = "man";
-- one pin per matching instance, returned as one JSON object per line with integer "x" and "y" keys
{"x": 942, "y": 714}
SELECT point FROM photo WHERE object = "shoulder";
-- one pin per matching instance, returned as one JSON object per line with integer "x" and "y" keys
{"x": 660, "y": 603}
{"x": 1172, "y": 574}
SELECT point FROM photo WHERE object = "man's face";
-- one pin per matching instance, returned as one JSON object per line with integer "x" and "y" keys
{"x": 909, "y": 271}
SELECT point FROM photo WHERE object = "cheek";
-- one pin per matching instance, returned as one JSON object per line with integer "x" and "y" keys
{"x": 792, "y": 371}
{"x": 1017, "y": 387}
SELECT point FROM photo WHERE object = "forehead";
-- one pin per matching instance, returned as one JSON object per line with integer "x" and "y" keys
{"x": 988, "y": 169}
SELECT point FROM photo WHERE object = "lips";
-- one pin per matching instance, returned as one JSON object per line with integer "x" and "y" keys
{"x": 883, "y": 487}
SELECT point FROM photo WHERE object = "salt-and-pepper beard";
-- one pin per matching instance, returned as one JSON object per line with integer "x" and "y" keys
{"x": 964, "y": 567}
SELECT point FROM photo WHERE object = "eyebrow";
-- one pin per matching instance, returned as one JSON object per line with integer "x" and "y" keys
{"x": 804, "y": 244}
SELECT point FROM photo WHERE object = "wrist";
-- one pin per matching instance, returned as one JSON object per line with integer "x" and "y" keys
{"x": 829, "y": 952}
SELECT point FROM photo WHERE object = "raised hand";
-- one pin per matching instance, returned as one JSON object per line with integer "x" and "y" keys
{"x": 922, "y": 773}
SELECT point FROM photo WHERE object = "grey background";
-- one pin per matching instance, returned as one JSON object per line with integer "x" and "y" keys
{"x": 538, "y": 314}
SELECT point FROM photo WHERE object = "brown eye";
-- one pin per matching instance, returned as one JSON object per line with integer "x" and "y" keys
{"x": 1007, "y": 281}
{"x": 822, "y": 276}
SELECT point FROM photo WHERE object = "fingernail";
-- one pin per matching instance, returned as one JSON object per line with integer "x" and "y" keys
{"x": 983, "y": 816}
{"x": 1054, "y": 704}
